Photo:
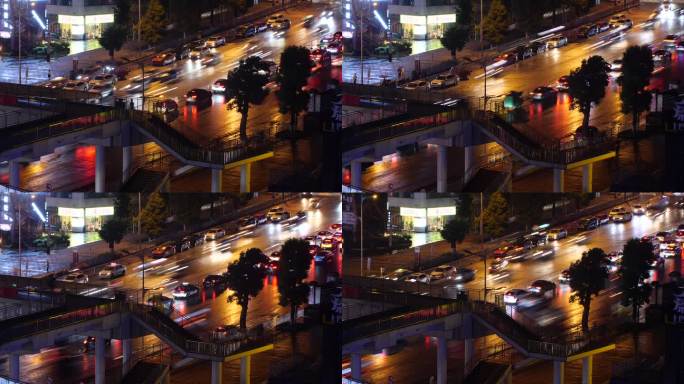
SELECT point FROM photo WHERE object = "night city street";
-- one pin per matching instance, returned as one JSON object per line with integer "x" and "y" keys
{"x": 516, "y": 260}
{"x": 185, "y": 258}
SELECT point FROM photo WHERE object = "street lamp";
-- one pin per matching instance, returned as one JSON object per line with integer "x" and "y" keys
{"x": 363, "y": 198}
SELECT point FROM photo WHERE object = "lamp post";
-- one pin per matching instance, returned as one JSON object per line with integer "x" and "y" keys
{"x": 363, "y": 11}
{"x": 363, "y": 198}
{"x": 484, "y": 255}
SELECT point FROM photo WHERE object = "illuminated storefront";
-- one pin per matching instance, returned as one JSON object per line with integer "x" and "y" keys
{"x": 80, "y": 19}
{"x": 421, "y": 212}
{"x": 425, "y": 27}
{"x": 79, "y": 213}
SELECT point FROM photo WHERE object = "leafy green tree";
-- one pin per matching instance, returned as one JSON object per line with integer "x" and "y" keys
{"x": 153, "y": 23}
{"x": 113, "y": 231}
{"x": 153, "y": 215}
{"x": 247, "y": 84}
{"x": 454, "y": 39}
{"x": 295, "y": 69}
{"x": 464, "y": 13}
{"x": 495, "y": 216}
{"x": 245, "y": 279}
{"x": 495, "y": 24}
{"x": 587, "y": 278}
{"x": 113, "y": 38}
{"x": 587, "y": 85}
{"x": 637, "y": 67}
{"x": 454, "y": 231}
{"x": 122, "y": 206}
{"x": 635, "y": 266}
{"x": 295, "y": 261}
{"x": 464, "y": 206}
{"x": 122, "y": 13}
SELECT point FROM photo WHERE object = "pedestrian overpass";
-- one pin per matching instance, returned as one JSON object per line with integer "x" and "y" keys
{"x": 433, "y": 118}
{"x": 118, "y": 318}
{"x": 72, "y": 121}
{"x": 450, "y": 319}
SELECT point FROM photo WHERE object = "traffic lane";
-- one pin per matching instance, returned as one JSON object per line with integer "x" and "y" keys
{"x": 214, "y": 256}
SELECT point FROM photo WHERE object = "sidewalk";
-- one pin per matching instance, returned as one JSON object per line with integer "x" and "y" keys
{"x": 407, "y": 258}
{"x": 33, "y": 262}
{"x": 440, "y": 60}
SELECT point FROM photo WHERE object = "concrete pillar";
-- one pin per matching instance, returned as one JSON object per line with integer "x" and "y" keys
{"x": 216, "y": 180}
{"x": 245, "y": 369}
{"x": 441, "y": 360}
{"x": 167, "y": 378}
{"x": 14, "y": 368}
{"x": 246, "y": 178}
{"x": 356, "y": 366}
{"x": 468, "y": 354}
{"x": 441, "y": 168}
{"x": 356, "y": 174}
{"x": 126, "y": 162}
{"x": 14, "y": 173}
{"x": 558, "y": 180}
{"x": 558, "y": 372}
{"x": 127, "y": 350}
{"x": 216, "y": 372}
{"x": 469, "y": 161}
{"x": 587, "y": 368}
{"x": 587, "y": 177}
{"x": 100, "y": 168}
{"x": 100, "y": 360}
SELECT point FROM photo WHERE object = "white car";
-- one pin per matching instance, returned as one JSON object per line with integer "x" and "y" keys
{"x": 620, "y": 215}
{"x": 557, "y": 234}
{"x": 185, "y": 290}
{"x": 274, "y": 20}
{"x": 211, "y": 59}
{"x": 102, "y": 90}
{"x": 74, "y": 277}
{"x": 443, "y": 81}
{"x": 556, "y": 42}
{"x": 418, "y": 84}
{"x": 638, "y": 209}
{"x": 111, "y": 271}
{"x": 418, "y": 277}
{"x": 214, "y": 233}
{"x": 198, "y": 52}
{"x": 106, "y": 78}
{"x": 78, "y": 85}
{"x": 513, "y": 296}
{"x": 449, "y": 271}
{"x": 216, "y": 41}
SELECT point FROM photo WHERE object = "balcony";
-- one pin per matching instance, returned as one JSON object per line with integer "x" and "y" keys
{"x": 80, "y": 7}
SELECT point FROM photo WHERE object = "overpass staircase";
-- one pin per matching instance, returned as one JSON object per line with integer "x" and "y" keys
{"x": 167, "y": 330}
{"x": 417, "y": 309}
{"x": 429, "y": 110}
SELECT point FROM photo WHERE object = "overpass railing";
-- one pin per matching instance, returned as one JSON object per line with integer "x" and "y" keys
{"x": 189, "y": 151}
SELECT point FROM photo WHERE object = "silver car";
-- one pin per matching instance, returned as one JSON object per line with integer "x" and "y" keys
{"x": 443, "y": 81}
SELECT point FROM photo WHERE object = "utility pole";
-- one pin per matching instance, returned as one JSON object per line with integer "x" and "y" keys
{"x": 484, "y": 63}
{"x": 139, "y": 28}
{"x": 362, "y": 15}
{"x": 19, "y": 36}
{"x": 484, "y": 255}
{"x": 139, "y": 203}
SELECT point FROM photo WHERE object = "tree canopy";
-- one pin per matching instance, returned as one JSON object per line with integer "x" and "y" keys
{"x": 495, "y": 24}
{"x": 295, "y": 69}
{"x": 295, "y": 261}
{"x": 245, "y": 279}
{"x": 247, "y": 84}
{"x": 587, "y": 85}
{"x": 637, "y": 67}
{"x": 588, "y": 277}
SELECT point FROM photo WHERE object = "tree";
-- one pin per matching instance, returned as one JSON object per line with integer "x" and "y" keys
{"x": 245, "y": 279}
{"x": 153, "y": 215}
{"x": 295, "y": 68}
{"x": 295, "y": 261}
{"x": 637, "y": 257}
{"x": 113, "y": 231}
{"x": 587, "y": 278}
{"x": 495, "y": 216}
{"x": 454, "y": 39}
{"x": 455, "y": 231}
{"x": 113, "y": 38}
{"x": 528, "y": 15}
{"x": 153, "y": 24}
{"x": 464, "y": 206}
{"x": 527, "y": 208}
{"x": 495, "y": 24}
{"x": 122, "y": 13}
{"x": 464, "y": 13}
{"x": 122, "y": 206}
{"x": 637, "y": 66}
{"x": 247, "y": 83}
{"x": 587, "y": 85}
